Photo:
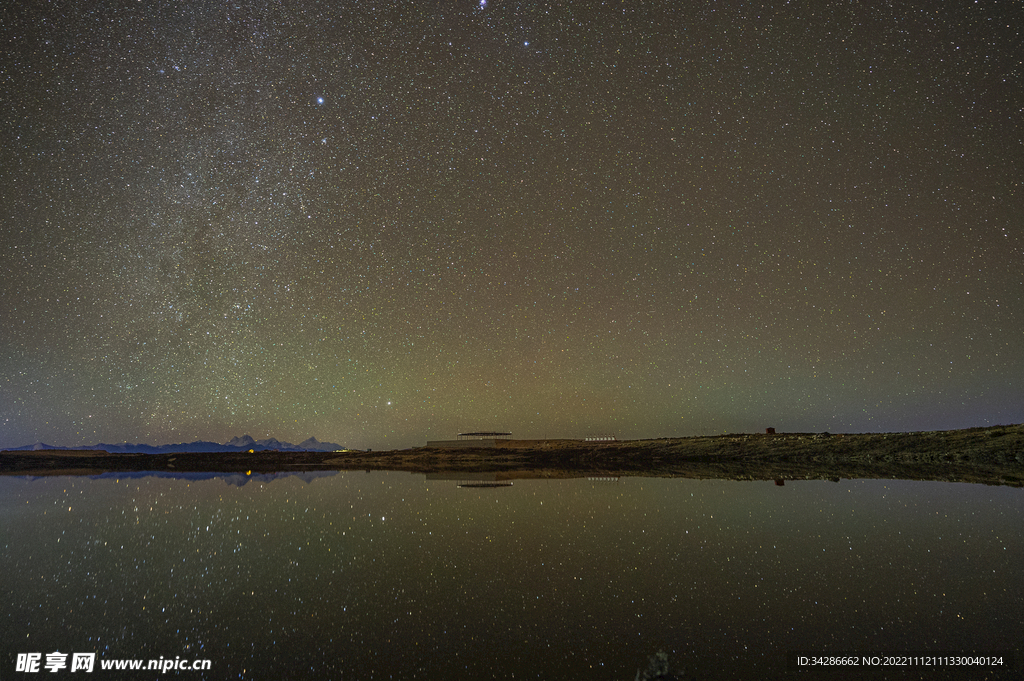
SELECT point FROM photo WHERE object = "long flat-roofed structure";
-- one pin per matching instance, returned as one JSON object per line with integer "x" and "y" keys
{"x": 485, "y": 436}
{"x": 477, "y": 440}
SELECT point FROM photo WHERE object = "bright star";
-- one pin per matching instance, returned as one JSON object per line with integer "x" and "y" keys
{"x": 319, "y": 100}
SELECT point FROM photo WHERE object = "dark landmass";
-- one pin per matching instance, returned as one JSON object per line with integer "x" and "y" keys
{"x": 993, "y": 456}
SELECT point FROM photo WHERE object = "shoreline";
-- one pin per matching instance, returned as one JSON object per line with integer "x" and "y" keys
{"x": 989, "y": 455}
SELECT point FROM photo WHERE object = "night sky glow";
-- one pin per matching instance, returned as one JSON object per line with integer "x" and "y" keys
{"x": 379, "y": 223}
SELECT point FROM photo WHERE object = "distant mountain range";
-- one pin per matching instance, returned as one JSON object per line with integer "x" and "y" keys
{"x": 235, "y": 444}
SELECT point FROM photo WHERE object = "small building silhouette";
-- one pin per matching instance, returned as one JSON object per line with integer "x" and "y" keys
{"x": 769, "y": 431}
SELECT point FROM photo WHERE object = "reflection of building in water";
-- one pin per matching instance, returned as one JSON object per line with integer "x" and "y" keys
{"x": 472, "y": 479}
{"x": 506, "y": 478}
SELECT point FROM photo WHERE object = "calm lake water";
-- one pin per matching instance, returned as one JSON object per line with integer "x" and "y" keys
{"x": 356, "y": 575}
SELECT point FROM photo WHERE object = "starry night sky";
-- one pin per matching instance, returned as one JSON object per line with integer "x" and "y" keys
{"x": 379, "y": 223}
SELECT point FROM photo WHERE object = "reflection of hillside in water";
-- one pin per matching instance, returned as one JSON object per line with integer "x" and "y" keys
{"x": 233, "y": 479}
